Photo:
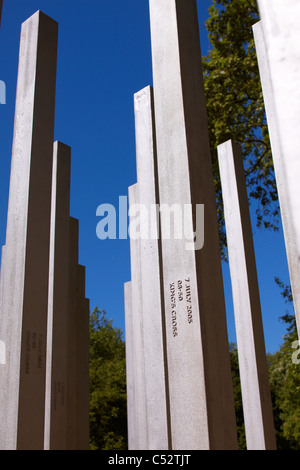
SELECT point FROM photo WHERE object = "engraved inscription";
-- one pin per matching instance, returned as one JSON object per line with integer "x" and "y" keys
{"x": 40, "y": 351}
{"x": 180, "y": 302}
{"x": 188, "y": 297}
{"x": 33, "y": 351}
{"x": 180, "y": 291}
{"x": 58, "y": 394}
{"x": 27, "y": 354}
{"x": 173, "y": 309}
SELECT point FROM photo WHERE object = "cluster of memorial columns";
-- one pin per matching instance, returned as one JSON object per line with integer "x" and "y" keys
{"x": 44, "y": 315}
{"x": 179, "y": 385}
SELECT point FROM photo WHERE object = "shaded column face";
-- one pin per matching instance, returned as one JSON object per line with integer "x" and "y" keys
{"x": 193, "y": 289}
{"x": 25, "y": 284}
{"x": 82, "y": 363}
{"x": 67, "y": 372}
{"x": 58, "y": 302}
{"x": 257, "y": 404}
{"x": 73, "y": 321}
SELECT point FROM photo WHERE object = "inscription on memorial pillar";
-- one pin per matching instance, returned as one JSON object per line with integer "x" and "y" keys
{"x": 33, "y": 351}
{"x": 58, "y": 394}
{"x": 181, "y": 303}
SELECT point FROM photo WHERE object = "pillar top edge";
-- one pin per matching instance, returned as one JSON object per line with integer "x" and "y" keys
{"x": 255, "y": 25}
{"x": 62, "y": 144}
{"x": 133, "y": 187}
{"x": 227, "y": 143}
{"x": 37, "y": 16}
{"x": 146, "y": 90}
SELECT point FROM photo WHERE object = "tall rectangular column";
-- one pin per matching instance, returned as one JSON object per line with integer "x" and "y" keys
{"x": 83, "y": 362}
{"x": 138, "y": 337}
{"x": 130, "y": 371}
{"x": 282, "y": 186}
{"x": 281, "y": 28}
{"x": 257, "y": 404}
{"x": 25, "y": 285}
{"x": 58, "y": 311}
{"x": 72, "y": 396}
{"x": 77, "y": 390}
{"x": 151, "y": 274}
{"x": 202, "y": 407}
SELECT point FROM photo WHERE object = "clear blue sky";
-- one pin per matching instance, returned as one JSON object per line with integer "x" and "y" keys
{"x": 104, "y": 58}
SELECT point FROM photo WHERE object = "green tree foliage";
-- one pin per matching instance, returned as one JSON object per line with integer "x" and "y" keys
{"x": 235, "y": 104}
{"x": 108, "y": 413}
{"x": 284, "y": 375}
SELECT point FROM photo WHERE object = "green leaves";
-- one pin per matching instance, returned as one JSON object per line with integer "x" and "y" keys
{"x": 108, "y": 413}
{"x": 235, "y": 105}
{"x": 284, "y": 378}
